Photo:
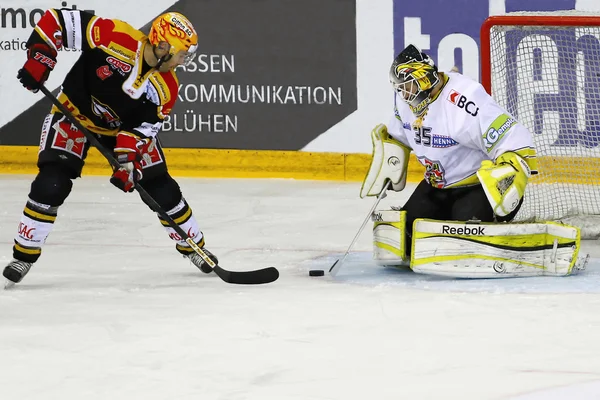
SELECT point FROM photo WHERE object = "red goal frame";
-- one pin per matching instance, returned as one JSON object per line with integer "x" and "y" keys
{"x": 522, "y": 20}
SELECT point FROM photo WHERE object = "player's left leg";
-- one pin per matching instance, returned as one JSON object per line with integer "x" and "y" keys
{"x": 63, "y": 149}
{"x": 161, "y": 186}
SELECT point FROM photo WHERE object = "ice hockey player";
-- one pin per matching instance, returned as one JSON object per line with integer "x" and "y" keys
{"x": 478, "y": 159}
{"x": 121, "y": 88}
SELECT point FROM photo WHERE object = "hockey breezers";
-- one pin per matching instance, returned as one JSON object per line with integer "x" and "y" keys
{"x": 260, "y": 276}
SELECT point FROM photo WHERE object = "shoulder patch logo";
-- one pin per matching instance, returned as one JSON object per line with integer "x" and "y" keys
{"x": 462, "y": 102}
{"x": 495, "y": 132}
{"x": 453, "y": 96}
{"x": 96, "y": 35}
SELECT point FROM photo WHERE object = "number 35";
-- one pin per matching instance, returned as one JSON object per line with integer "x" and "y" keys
{"x": 423, "y": 135}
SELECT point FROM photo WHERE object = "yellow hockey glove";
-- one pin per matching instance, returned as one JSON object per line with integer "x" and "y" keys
{"x": 504, "y": 181}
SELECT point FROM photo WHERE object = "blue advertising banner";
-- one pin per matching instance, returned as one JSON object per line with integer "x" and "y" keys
{"x": 443, "y": 29}
{"x": 449, "y": 30}
{"x": 563, "y": 74}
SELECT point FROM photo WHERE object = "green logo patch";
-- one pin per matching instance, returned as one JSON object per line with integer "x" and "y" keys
{"x": 496, "y": 131}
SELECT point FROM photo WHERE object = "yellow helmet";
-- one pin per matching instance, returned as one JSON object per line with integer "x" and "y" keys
{"x": 413, "y": 75}
{"x": 177, "y": 31}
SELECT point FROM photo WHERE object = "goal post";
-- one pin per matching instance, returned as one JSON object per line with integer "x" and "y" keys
{"x": 544, "y": 69}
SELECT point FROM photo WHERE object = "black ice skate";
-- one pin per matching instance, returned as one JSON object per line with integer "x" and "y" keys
{"x": 15, "y": 271}
{"x": 200, "y": 263}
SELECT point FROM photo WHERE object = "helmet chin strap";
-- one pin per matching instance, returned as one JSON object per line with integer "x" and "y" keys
{"x": 162, "y": 59}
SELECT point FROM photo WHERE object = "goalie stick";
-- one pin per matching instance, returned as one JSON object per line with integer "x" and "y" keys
{"x": 335, "y": 268}
{"x": 260, "y": 276}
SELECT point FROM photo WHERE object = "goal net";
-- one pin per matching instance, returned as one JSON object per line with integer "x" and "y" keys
{"x": 544, "y": 68}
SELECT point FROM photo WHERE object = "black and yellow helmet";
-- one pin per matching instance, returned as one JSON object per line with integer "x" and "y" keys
{"x": 413, "y": 75}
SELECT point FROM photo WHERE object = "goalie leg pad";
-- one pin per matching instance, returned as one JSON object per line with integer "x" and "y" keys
{"x": 465, "y": 250}
{"x": 389, "y": 237}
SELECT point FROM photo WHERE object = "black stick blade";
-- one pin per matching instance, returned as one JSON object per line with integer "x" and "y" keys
{"x": 257, "y": 277}
{"x": 334, "y": 264}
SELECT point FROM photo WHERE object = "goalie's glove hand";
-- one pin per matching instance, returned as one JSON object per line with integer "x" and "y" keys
{"x": 504, "y": 182}
{"x": 41, "y": 59}
{"x": 127, "y": 152}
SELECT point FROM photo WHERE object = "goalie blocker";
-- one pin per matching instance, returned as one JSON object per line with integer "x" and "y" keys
{"x": 478, "y": 250}
{"x": 389, "y": 163}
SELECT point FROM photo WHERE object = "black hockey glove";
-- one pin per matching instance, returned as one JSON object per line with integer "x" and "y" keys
{"x": 41, "y": 59}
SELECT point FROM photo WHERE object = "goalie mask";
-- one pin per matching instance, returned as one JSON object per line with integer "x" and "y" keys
{"x": 413, "y": 75}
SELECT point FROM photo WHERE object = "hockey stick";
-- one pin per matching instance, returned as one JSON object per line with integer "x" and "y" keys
{"x": 265, "y": 275}
{"x": 339, "y": 262}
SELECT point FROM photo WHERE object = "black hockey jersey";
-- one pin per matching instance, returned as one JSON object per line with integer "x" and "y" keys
{"x": 109, "y": 88}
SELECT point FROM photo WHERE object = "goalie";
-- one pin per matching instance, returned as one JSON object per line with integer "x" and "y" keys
{"x": 478, "y": 159}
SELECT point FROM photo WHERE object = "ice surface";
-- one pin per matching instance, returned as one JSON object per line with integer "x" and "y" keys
{"x": 111, "y": 311}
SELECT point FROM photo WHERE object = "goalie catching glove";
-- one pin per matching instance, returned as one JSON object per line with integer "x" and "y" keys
{"x": 504, "y": 182}
{"x": 389, "y": 162}
{"x": 128, "y": 154}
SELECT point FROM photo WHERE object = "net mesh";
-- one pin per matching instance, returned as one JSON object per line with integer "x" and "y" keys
{"x": 548, "y": 77}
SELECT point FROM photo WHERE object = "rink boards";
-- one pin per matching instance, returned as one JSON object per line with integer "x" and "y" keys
{"x": 226, "y": 163}
{"x": 219, "y": 163}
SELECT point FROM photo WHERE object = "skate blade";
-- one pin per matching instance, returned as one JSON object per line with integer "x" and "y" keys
{"x": 8, "y": 284}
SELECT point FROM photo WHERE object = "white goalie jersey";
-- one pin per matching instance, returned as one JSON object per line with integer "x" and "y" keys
{"x": 463, "y": 127}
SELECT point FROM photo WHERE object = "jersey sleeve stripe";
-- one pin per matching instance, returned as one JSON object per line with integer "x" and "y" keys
{"x": 46, "y": 38}
{"x": 530, "y": 157}
{"x": 167, "y": 88}
{"x": 47, "y": 26}
{"x": 93, "y": 33}
{"x": 72, "y": 20}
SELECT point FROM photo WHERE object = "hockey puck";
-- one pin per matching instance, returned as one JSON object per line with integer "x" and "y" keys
{"x": 316, "y": 272}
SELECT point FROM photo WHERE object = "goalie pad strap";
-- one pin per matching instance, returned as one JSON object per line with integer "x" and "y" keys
{"x": 389, "y": 237}
{"x": 490, "y": 250}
